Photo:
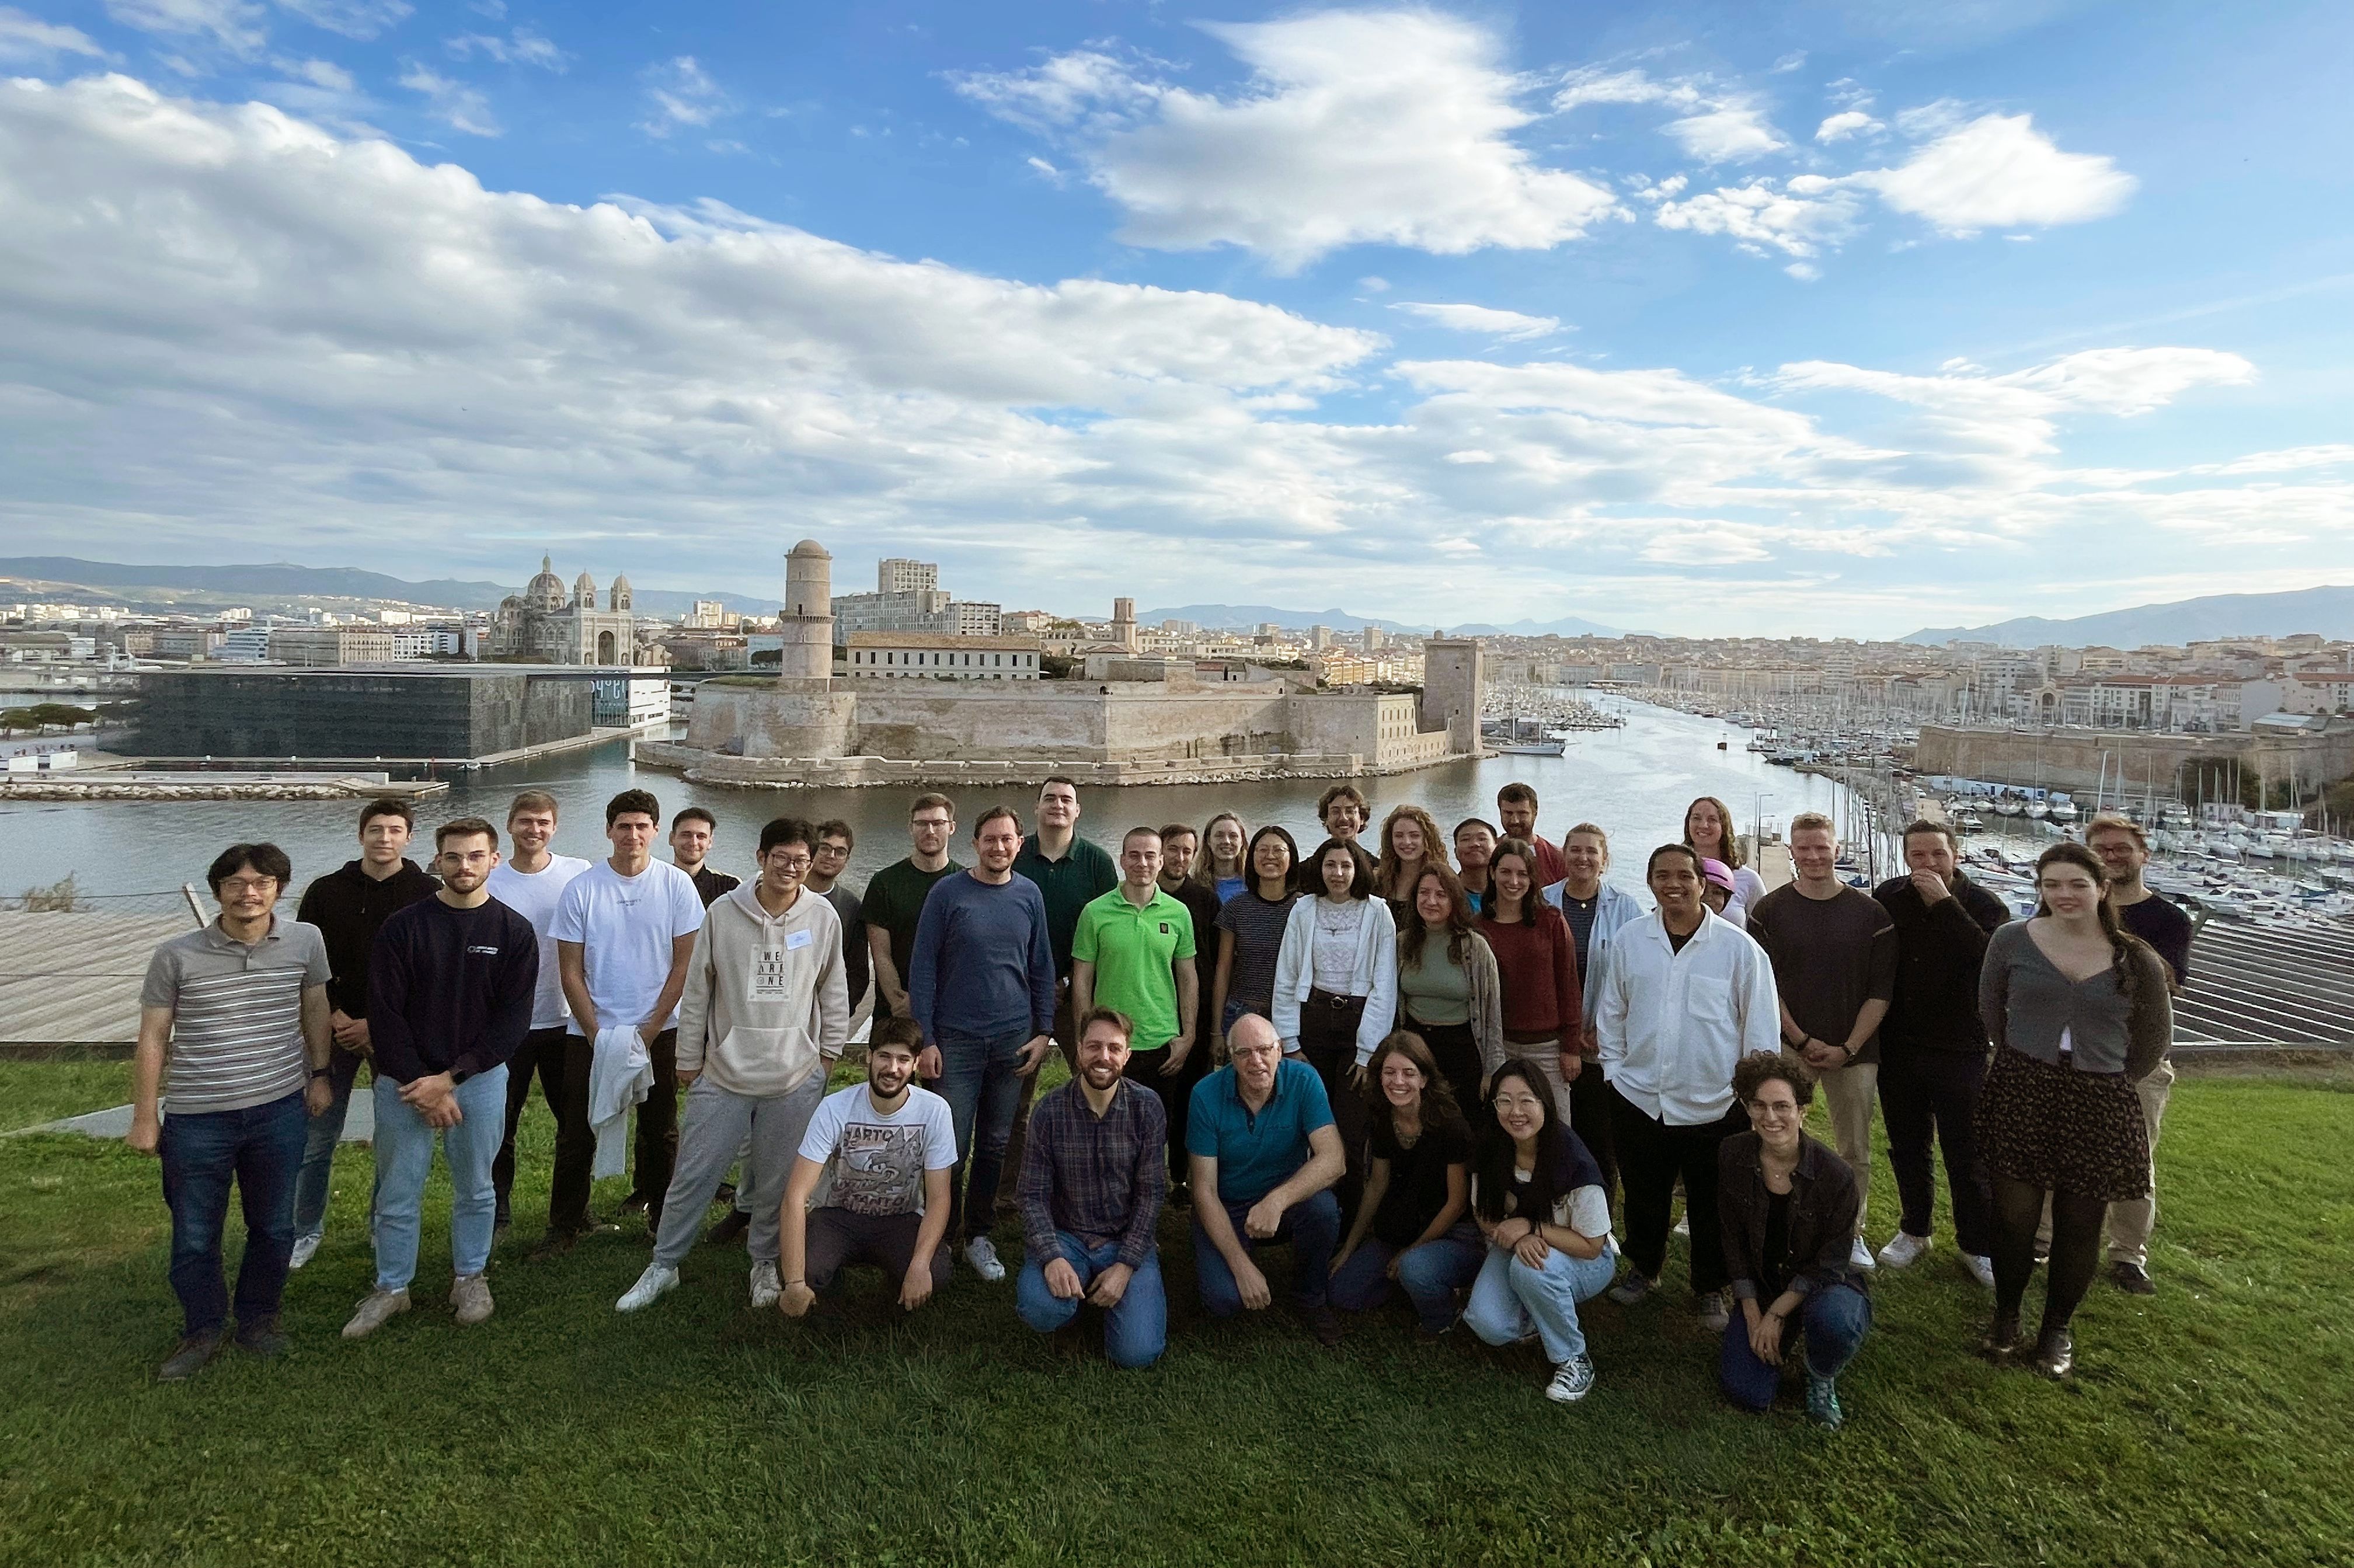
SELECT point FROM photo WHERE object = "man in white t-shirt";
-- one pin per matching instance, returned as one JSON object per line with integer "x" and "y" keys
{"x": 531, "y": 882}
{"x": 624, "y": 935}
{"x": 885, "y": 1148}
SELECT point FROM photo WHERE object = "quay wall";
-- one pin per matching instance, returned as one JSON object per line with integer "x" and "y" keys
{"x": 2071, "y": 760}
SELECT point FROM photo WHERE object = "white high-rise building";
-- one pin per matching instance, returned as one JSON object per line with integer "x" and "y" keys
{"x": 897, "y": 574}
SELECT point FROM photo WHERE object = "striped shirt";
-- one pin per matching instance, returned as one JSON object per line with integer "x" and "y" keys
{"x": 237, "y": 1014}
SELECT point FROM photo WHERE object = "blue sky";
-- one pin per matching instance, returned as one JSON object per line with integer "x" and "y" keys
{"x": 1845, "y": 317}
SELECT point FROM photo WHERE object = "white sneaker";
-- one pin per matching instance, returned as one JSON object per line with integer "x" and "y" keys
{"x": 378, "y": 1308}
{"x": 655, "y": 1283}
{"x": 306, "y": 1249}
{"x": 981, "y": 1253}
{"x": 1714, "y": 1313}
{"x": 766, "y": 1290}
{"x": 1905, "y": 1250}
{"x": 1859, "y": 1255}
{"x": 1571, "y": 1381}
{"x": 1981, "y": 1267}
{"x": 471, "y": 1295}
{"x": 1682, "y": 1227}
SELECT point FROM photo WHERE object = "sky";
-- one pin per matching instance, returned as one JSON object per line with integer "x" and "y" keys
{"x": 1843, "y": 317}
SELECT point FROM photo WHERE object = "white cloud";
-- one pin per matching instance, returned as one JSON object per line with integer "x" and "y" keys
{"x": 457, "y": 105}
{"x": 1356, "y": 127}
{"x": 1508, "y": 324}
{"x": 522, "y": 46}
{"x": 1998, "y": 171}
{"x": 1789, "y": 62}
{"x": 1730, "y": 134}
{"x": 324, "y": 74}
{"x": 1044, "y": 168}
{"x": 1801, "y": 217}
{"x": 1719, "y": 125}
{"x": 223, "y": 328}
{"x": 683, "y": 94}
{"x": 23, "y": 37}
{"x": 351, "y": 19}
{"x": 233, "y": 25}
{"x": 1846, "y": 123}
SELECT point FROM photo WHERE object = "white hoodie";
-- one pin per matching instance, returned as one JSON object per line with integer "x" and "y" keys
{"x": 765, "y": 995}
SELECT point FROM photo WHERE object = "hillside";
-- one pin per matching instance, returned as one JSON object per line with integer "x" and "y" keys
{"x": 2326, "y": 610}
{"x": 281, "y": 585}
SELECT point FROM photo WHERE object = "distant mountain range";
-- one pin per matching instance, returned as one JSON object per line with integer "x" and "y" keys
{"x": 2326, "y": 610}
{"x": 1245, "y": 615}
{"x": 154, "y": 588}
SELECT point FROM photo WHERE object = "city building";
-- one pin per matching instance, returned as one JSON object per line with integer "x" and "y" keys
{"x": 543, "y": 625}
{"x": 902, "y": 656}
{"x": 322, "y": 647}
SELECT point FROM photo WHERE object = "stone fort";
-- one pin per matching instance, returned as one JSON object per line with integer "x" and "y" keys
{"x": 812, "y": 727}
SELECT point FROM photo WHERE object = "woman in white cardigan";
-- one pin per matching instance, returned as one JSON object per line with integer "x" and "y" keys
{"x": 1336, "y": 990}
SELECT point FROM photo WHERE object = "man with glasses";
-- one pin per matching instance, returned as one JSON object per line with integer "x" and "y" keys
{"x": 764, "y": 1013}
{"x": 895, "y": 898}
{"x": 233, "y": 1029}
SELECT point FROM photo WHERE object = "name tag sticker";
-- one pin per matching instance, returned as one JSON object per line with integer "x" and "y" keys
{"x": 796, "y": 940}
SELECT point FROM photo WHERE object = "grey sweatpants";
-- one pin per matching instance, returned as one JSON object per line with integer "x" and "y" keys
{"x": 717, "y": 1124}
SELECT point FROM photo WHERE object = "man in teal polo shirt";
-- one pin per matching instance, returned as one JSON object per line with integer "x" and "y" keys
{"x": 1133, "y": 952}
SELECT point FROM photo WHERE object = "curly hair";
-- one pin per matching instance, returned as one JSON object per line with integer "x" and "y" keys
{"x": 1757, "y": 1069}
{"x": 1438, "y": 1107}
{"x": 1386, "y": 869}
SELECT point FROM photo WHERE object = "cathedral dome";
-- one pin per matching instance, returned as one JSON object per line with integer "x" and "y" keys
{"x": 618, "y": 598}
{"x": 546, "y": 590}
{"x": 584, "y": 592}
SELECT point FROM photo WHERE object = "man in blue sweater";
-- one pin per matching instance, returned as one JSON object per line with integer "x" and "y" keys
{"x": 451, "y": 980}
{"x": 980, "y": 983}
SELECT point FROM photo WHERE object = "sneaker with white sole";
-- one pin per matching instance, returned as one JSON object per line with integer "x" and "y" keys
{"x": 471, "y": 1295}
{"x": 1981, "y": 1267}
{"x": 306, "y": 1247}
{"x": 1714, "y": 1314}
{"x": 1633, "y": 1288}
{"x": 654, "y": 1284}
{"x": 981, "y": 1253}
{"x": 1571, "y": 1381}
{"x": 766, "y": 1290}
{"x": 1903, "y": 1250}
{"x": 1682, "y": 1227}
{"x": 379, "y": 1308}
{"x": 1859, "y": 1255}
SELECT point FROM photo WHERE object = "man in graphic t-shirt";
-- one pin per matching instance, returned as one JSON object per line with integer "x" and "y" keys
{"x": 884, "y": 1148}
{"x": 624, "y": 936}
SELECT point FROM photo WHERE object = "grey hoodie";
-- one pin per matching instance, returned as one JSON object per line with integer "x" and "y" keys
{"x": 766, "y": 996}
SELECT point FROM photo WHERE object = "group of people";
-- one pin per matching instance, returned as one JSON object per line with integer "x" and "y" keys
{"x": 1475, "y": 1080}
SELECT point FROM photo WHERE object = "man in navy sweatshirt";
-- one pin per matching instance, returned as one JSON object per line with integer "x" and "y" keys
{"x": 451, "y": 979}
{"x": 980, "y": 983}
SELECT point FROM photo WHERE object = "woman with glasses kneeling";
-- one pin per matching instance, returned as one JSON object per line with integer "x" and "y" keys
{"x": 1787, "y": 1206}
{"x": 1414, "y": 1226}
{"x": 1537, "y": 1196}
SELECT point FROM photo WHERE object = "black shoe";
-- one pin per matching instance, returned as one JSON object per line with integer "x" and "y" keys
{"x": 262, "y": 1338}
{"x": 1322, "y": 1322}
{"x": 1180, "y": 1196}
{"x": 2055, "y": 1353}
{"x": 190, "y": 1358}
{"x": 727, "y": 1194}
{"x": 2131, "y": 1278}
{"x": 635, "y": 1204}
{"x": 2000, "y": 1345}
{"x": 729, "y": 1230}
{"x": 554, "y": 1244}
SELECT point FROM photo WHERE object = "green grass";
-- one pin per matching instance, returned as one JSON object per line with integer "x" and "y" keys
{"x": 32, "y": 1092}
{"x": 2210, "y": 1425}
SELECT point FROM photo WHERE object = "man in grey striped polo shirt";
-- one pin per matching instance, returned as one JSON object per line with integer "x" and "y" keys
{"x": 233, "y": 1036}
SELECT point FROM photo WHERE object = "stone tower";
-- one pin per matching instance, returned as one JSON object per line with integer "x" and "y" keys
{"x": 1123, "y": 623}
{"x": 1452, "y": 687}
{"x": 807, "y": 621}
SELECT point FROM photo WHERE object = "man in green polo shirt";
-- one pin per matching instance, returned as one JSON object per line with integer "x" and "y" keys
{"x": 1133, "y": 952}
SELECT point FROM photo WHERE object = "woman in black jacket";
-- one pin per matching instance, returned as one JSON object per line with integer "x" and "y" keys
{"x": 1788, "y": 1205}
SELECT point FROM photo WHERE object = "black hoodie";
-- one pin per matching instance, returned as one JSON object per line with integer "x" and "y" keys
{"x": 349, "y": 907}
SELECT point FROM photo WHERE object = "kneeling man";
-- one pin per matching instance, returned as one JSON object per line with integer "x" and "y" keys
{"x": 1093, "y": 1178}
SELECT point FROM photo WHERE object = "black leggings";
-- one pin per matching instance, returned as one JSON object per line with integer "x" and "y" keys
{"x": 2076, "y": 1248}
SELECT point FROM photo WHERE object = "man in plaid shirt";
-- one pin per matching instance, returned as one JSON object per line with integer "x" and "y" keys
{"x": 1093, "y": 1180}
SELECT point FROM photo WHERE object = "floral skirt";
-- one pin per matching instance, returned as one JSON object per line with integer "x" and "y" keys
{"x": 2064, "y": 1130}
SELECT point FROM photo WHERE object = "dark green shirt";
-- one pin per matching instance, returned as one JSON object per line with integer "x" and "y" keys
{"x": 1068, "y": 886}
{"x": 894, "y": 900}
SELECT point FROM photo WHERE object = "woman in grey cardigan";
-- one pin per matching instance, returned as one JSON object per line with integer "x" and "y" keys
{"x": 1448, "y": 989}
{"x": 2077, "y": 1010}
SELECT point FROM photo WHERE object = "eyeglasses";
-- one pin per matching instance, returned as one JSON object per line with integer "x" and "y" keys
{"x": 237, "y": 886}
{"x": 792, "y": 862}
{"x": 834, "y": 851}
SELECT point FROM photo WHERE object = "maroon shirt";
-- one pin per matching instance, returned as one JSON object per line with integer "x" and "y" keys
{"x": 1536, "y": 962}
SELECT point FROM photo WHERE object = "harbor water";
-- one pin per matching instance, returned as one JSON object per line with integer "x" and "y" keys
{"x": 1634, "y": 781}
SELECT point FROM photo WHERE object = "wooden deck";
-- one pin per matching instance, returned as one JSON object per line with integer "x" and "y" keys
{"x": 73, "y": 979}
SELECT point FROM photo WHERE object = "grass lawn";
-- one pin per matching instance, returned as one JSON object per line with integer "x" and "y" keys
{"x": 32, "y": 1092}
{"x": 2210, "y": 1425}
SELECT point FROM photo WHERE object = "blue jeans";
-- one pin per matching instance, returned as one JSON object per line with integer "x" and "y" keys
{"x": 977, "y": 1080}
{"x": 404, "y": 1158}
{"x": 1835, "y": 1319}
{"x": 1510, "y": 1300}
{"x": 260, "y": 1147}
{"x": 1429, "y": 1274}
{"x": 1135, "y": 1331}
{"x": 327, "y": 1130}
{"x": 1312, "y": 1226}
